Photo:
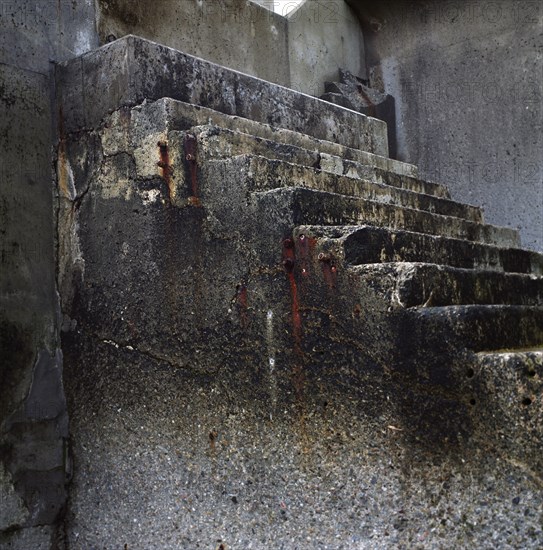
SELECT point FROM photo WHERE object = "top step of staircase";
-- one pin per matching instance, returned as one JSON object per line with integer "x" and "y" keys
{"x": 132, "y": 69}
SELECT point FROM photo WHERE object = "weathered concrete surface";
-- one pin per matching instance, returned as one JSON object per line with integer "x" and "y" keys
{"x": 353, "y": 93}
{"x": 372, "y": 245}
{"x": 34, "y": 34}
{"x": 467, "y": 81}
{"x": 238, "y": 34}
{"x": 147, "y": 71}
{"x": 33, "y": 424}
{"x": 233, "y": 380}
{"x": 322, "y": 37}
{"x": 300, "y": 51}
{"x": 169, "y": 114}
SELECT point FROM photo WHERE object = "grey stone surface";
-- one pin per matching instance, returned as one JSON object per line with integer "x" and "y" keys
{"x": 145, "y": 70}
{"x": 300, "y": 50}
{"x": 467, "y": 81}
{"x": 13, "y": 512}
{"x": 32, "y": 36}
{"x": 177, "y": 115}
{"x": 34, "y": 443}
{"x": 353, "y": 93}
{"x": 36, "y": 538}
{"x": 237, "y": 34}
{"x": 322, "y": 37}
{"x": 371, "y": 245}
{"x": 233, "y": 379}
{"x": 422, "y": 284}
{"x": 27, "y": 280}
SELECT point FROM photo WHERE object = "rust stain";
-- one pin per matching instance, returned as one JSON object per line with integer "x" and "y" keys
{"x": 305, "y": 246}
{"x": 213, "y": 434}
{"x": 190, "y": 146}
{"x": 329, "y": 269}
{"x": 298, "y": 371}
{"x": 242, "y": 302}
{"x": 166, "y": 168}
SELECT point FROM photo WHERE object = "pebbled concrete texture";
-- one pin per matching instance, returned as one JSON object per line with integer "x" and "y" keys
{"x": 231, "y": 380}
{"x": 467, "y": 83}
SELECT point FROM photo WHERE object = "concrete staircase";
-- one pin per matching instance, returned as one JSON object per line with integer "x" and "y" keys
{"x": 214, "y": 222}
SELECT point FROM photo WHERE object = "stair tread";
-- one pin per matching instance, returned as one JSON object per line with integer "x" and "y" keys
{"x": 167, "y": 115}
{"x": 369, "y": 167}
{"x": 532, "y": 353}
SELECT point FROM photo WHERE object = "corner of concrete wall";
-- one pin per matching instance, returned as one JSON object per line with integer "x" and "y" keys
{"x": 323, "y": 37}
{"x": 33, "y": 418}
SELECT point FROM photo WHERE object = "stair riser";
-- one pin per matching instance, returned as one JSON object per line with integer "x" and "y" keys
{"x": 411, "y": 286}
{"x": 373, "y": 245}
{"x": 132, "y": 69}
{"x": 481, "y": 328}
{"x": 318, "y": 208}
{"x": 380, "y": 174}
{"x": 274, "y": 175}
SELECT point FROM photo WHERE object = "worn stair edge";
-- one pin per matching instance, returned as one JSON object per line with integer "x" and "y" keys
{"x": 428, "y": 285}
{"x": 312, "y": 207}
{"x": 368, "y": 244}
{"x": 130, "y": 70}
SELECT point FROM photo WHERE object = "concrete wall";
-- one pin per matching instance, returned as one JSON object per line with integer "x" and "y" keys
{"x": 235, "y": 33}
{"x": 299, "y": 51}
{"x": 33, "y": 422}
{"x": 467, "y": 77}
{"x": 324, "y": 35}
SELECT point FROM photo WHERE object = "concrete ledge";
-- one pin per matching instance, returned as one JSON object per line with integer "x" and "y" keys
{"x": 130, "y": 70}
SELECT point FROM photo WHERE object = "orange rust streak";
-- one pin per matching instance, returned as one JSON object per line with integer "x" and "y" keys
{"x": 329, "y": 274}
{"x": 296, "y": 318}
{"x": 242, "y": 302}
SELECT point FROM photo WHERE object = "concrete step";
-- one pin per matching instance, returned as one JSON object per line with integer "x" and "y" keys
{"x": 130, "y": 70}
{"x": 160, "y": 120}
{"x": 311, "y": 207}
{"x": 429, "y": 285}
{"x": 266, "y": 174}
{"x": 478, "y": 327}
{"x": 216, "y": 142}
{"x": 374, "y": 245}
